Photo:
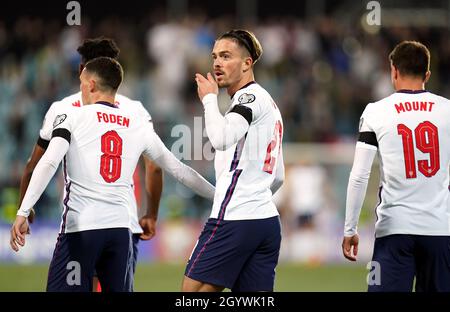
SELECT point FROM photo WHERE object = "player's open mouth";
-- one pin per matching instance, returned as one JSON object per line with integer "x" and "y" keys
{"x": 218, "y": 74}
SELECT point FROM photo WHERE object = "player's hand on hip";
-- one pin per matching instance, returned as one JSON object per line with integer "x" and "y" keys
{"x": 148, "y": 225}
{"x": 350, "y": 247}
{"x": 18, "y": 231}
{"x": 206, "y": 85}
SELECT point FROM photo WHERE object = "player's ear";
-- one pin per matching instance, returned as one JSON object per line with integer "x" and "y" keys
{"x": 248, "y": 63}
{"x": 394, "y": 72}
{"x": 427, "y": 76}
{"x": 92, "y": 85}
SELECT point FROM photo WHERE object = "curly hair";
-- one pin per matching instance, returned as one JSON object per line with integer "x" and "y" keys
{"x": 97, "y": 47}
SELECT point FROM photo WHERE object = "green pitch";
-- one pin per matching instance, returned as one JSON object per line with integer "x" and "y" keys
{"x": 167, "y": 277}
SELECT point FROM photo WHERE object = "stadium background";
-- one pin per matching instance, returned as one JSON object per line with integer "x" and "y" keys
{"x": 322, "y": 63}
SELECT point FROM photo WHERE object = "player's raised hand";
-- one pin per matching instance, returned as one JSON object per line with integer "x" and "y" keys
{"x": 206, "y": 85}
{"x": 148, "y": 225}
{"x": 350, "y": 247}
{"x": 18, "y": 231}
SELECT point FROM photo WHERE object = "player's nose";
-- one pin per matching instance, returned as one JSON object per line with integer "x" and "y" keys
{"x": 217, "y": 63}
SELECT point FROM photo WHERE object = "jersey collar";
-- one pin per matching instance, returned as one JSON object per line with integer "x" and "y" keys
{"x": 107, "y": 104}
{"x": 243, "y": 87}
{"x": 411, "y": 91}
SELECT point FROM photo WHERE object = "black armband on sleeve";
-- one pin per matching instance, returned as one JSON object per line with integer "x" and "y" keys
{"x": 244, "y": 111}
{"x": 368, "y": 138}
{"x": 42, "y": 143}
{"x": 62, "y": 133}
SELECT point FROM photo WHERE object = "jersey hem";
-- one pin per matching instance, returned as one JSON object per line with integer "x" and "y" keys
{"x": 246, "y": 217}
{"x": 93, "y": 227}
{"x": 403, "y": 232}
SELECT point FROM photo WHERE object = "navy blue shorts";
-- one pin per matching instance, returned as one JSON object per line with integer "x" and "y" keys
{"x": 78, "y": 254}
{"x": 402, "y": 257}
{"x": 239, "y": 255}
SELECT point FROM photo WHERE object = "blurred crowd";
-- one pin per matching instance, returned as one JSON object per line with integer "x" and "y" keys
{"x": 320, "y": 71}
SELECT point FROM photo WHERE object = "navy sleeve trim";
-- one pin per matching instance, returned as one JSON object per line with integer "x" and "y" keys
{"x": 42, "y": 143}
{"x": 62, "y": 133}
{"x": 244, "y": 111}
{"x": 368, "y": 138}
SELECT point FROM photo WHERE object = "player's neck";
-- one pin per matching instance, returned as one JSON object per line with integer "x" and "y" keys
{"x": 102, "y": 97}
{"x": 246, "y": 79}
{"x": 410, "y": 84}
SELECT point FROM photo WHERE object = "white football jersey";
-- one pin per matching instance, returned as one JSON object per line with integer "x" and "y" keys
{"x": 411, "y": 130}
{"x": 74, "y": 100}
{"x": 246, "y": 170}
{"x": 105, "y": 145}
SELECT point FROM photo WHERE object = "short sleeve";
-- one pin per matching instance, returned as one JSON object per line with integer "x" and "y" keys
{"x": 45, "y": 133}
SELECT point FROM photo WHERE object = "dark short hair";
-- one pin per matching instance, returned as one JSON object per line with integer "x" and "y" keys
{"x": 247, "y": 40}
{"x": 108, "y": 70}
{"x": 97, "y": 47}
{"x": 411, "y": 58}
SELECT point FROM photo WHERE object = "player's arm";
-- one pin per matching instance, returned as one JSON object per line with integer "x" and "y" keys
{"x": 45, "y": 134}
{"x": 279, "y": 173}
{"x": 186, "y": 175}
{"x": 153, "y": 190}
{"x": 222, "y": 131}
{"x": 42, "y": 174}
{"x": 225, "y": 131}
{"x": 365, "y": 152}
{"x": 38, "y": 151}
